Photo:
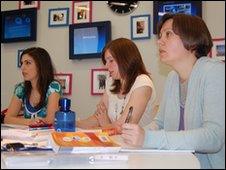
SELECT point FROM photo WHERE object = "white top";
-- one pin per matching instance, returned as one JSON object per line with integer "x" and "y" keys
{"x": 116, "y": 105}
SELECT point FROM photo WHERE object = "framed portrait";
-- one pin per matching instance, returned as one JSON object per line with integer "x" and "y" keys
{"x": 218, "y": 49}
{"x": 81, "y": 11}
{"x": 140, "y": 27}
{"x": 58, "y": 17}
{"x": 19, "y": 52}
{"x": 98, "y": 81}
{"x": 65, "y": 80}
{"x": 29, "y": 4}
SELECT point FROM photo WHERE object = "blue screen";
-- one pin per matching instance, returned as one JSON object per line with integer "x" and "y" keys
{"x": 17, "y": 26}
{"x": 186, "y": 7}
{"x": 89, "y": 40}
{"x": 177, "y": 7}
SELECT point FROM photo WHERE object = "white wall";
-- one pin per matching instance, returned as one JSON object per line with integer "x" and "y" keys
{"x": 55, "y": 41}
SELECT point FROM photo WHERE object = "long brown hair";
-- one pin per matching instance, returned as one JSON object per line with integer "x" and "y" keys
{"x": 45, "y": 71}
{"x": 192, "y": 31}
{"x": 129, "y": 60}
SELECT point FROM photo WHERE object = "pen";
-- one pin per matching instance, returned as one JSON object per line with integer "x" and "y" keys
{"x": 129, "y": 115}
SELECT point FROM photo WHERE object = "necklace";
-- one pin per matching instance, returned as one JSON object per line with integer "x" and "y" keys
{"x": 34, "y": 98}
{"x": 122, "y": 108}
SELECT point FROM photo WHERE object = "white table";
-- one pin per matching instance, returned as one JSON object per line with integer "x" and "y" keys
{"x": 48, "y": 159}
{"x": 137, "y": 160}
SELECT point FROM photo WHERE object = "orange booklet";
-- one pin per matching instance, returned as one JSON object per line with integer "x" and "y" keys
{"x": 111, "y": 131}
{"x": 83, "y": 142}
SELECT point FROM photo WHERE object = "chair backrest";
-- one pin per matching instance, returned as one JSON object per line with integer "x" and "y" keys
{"x": 3, "y": 112}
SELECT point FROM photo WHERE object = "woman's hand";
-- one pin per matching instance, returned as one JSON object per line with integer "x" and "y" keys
{"x": 133, "y": 134}
{"x": 102, "y": 115}
{"x": 37, "y": 122}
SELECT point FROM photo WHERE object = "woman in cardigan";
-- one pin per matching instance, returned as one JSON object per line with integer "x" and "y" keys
{"x": 192, "y": 112}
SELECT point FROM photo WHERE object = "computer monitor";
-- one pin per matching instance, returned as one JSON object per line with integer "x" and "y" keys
{"x": 87, "y": 40}
{"x": 186, "y": 7}
{"x": 19, "y": 25}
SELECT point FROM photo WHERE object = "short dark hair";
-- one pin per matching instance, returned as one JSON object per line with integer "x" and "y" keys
{"x": 45, "y": 71}
{"x": 192, "y": 31}
{"x": 129, "y": 60}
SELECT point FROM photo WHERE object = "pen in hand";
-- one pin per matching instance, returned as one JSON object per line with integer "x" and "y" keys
{"x": 129, "y": 115}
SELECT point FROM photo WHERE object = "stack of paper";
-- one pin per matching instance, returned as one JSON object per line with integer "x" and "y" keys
{"x": 25, "y": 134}
{"x": 39, "y": 138}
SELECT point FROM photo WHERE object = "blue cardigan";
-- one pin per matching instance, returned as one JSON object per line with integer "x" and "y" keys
{"x": 204, "y": 115}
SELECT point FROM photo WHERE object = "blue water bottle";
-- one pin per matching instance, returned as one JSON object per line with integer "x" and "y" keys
{"x": 65, "y": 118}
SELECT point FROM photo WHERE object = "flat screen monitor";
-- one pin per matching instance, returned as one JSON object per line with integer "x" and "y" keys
{"x": 19, "y": 25}
{"x": 87, "y": 40}
{"x": 186, "y": 7}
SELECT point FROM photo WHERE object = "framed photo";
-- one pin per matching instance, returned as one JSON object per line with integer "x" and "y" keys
{"x": 29, "y": 4}
{"x": 140, "y": 27}
{"x": 58, "y": 17}
{"x": 81, "y": 11}
{"x": 218, "y": 49}
{"x": 65, "y": 81}
{"x": 98, "y": 81}
{"x": 19, "y": 52}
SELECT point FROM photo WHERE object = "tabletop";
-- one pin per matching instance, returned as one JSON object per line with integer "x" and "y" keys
{"x": 126, "y": 159}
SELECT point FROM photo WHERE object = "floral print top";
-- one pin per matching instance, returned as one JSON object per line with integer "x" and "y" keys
{"x": 29, "y": 111}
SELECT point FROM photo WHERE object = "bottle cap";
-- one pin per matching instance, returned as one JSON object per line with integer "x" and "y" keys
{"x": 65, "y": 104}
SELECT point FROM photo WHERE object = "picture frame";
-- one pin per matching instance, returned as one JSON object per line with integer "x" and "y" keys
{"x": 140, "y": 27}
{"x": 58, "y": 17}
{"x": 81, "y": 11}
{"x": 19, "y": 52}
{"x": 98, "y": 81}
{"x": 218, "y": 49}
{"x": 29, "y": 4}
{"x": 65, "y": 80}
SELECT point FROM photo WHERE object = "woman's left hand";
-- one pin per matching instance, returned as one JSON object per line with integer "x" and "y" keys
{"x": 133, "y": 134}
{"x": 101, "y": 115}
{"x": 37, "y": 122}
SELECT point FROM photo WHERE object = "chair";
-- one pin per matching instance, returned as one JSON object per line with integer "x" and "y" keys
{"x": 3, "y": 112}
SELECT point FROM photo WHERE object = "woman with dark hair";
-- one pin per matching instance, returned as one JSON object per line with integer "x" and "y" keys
{"x": 39, "y": 94}
{"x": 192, "y": 111}
{"x": 128, "y": 84}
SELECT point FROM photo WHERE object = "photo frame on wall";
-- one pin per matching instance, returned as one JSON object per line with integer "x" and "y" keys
{"x": 98, "y": 81}
{"x": 140, "y": 27}
{"x": 19, "y": 52}
{"x": 29, "y": 4}
{"x": 218, "y": 49}
{"x": 65, "y": 80}
{"x": 81, "y": 11}
{"x": 58, "y": 17}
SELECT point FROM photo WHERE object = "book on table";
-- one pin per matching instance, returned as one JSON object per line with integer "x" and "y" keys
{"x": 83, "y": 142}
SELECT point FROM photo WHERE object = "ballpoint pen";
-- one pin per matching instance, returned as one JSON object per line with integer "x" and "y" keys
{"x": 129, "y": 115}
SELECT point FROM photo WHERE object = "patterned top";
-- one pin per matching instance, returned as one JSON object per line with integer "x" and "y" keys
{"x": 29, "y": 111}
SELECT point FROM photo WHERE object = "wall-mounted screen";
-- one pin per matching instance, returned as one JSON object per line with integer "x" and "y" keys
{"x": 86, "y": 40}
{"x": 19, "y": 25}
{"x": 186, "y": 7}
